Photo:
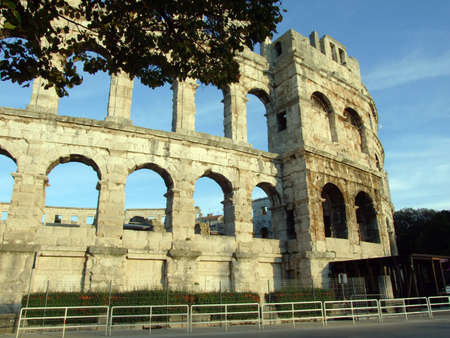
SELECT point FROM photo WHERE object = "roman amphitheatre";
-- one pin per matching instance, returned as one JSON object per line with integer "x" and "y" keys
{"x": 323, "y": 175}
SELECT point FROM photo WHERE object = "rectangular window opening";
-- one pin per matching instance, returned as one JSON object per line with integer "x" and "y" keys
{"x": 43, "y": 219}
{"x": 58, "y": 219}
{"x": 74, "y": 219}
{"x": 282, "y": 120}
{"x": 4, "y": 215}
{"x": 333, "y": 51}
{"x": 342, "y": 56}
{"x": 90, "y": 220}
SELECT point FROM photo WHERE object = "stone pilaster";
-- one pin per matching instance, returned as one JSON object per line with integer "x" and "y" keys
{"x": 120, "y": 96}
{"x": 182, "y": 268}
{"x": 235, "y": 115}
{"x": 229, "y": 216}
{"x": 43, "y": 100}
{"x": 17, "y": 264}
{"x": 184, "y": 110}
{"x": 105, "y": 266}
{"x": 245, "y": 271}
{"x": 242, "y": 215}
{"x": 180, "y": 217}
{"x": 110, "y": 212}
{"x": 26, "y": 207}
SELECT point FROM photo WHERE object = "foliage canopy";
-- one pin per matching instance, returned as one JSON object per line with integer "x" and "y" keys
{"x": 153, "y": 40}
{"x": 423, "y": 231}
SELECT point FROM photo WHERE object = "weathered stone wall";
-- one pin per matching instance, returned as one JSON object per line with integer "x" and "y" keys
{"x": 322, "y": 130}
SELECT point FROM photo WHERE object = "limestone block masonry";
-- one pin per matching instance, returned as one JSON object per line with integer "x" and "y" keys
{"x": 323, "y": 174}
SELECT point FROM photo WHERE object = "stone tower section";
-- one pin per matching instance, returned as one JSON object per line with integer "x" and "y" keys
{"x": 335, "y": 190}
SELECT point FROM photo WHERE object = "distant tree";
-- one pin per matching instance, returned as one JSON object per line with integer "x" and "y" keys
{"x": 153, "y": 40}
{"x": 423, "y": 231}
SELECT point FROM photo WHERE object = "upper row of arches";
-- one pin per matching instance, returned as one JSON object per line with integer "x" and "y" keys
{"x": 354, "y": 131}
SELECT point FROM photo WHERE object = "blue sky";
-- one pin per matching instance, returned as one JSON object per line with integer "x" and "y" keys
{"x": 404, "y": 53}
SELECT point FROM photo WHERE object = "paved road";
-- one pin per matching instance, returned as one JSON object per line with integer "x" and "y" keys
{"x": 416, "y": 328}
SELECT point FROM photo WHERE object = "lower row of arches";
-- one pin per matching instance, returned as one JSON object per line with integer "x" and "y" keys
{"x": 73, "y": 185}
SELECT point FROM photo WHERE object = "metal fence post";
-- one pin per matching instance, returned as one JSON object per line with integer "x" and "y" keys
{"x": 46, "y": 302}
{"x": 226, "y": 318}
{"x": 64, "y": 323}
{"x": 109, "y": 294}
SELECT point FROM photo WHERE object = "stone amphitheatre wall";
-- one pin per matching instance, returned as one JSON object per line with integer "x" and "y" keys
{"x": 323, "y": 174}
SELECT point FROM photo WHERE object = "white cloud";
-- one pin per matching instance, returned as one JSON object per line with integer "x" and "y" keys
{"x": 412, "y": 67}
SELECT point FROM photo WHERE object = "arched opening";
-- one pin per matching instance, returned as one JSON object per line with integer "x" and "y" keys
{"x": 267, "y": 215}
{"x": 209, "y": 110}
{"x": 151, "y": 108}
{"x": 261, "y": 214}
{"x": 146, "y": 202}
{"x": 88, "y": 100}
{"x": 366, "y": 216}
{"x": 213, "y": 196}
{"x": 71, "y": 196}
{"x": 323, "y": 116}
{"x": 7, "y": 166}
{"x": 354, "y": 127}
{"x": 333, "y": 208}
{"x": 257, "y": 130}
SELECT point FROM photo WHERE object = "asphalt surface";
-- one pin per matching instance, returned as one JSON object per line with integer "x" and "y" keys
{"x": 438, "y": 327}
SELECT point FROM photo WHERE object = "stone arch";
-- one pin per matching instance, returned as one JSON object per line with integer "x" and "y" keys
{"x": 165, "y": 175}
{"x": 157, "y": 224}
{"x": 355, "y": 129}
{"x": 322, "y": 104}
{"x": 221, "y": 180}
{"x": 75, "y": 158}
{"x": 6, "y": 153}
{"x": 227, "y": 225}
{"x": 261, "y": 94}
{"x": 366, "y": 217}
{"x": 258, "y": 115}
{"x": 54, "y": 216}
{"x": 334, "y": 214}
{"x": 271, "y": 192}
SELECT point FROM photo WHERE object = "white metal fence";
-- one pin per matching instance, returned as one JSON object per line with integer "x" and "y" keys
{"x": 64, "y": 317}
{"x": 148, "y": 316}
{"x": 404, "y": 307}
{"x": 439, "y": 304}
{"x": 291, "y": 312}
{"x": 225, "y": 314}
{"x": 351, "y": 309}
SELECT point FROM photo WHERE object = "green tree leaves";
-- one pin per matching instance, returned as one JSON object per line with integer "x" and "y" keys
{"x": 423, "y": 231}
{"x": 153, "y": 40}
